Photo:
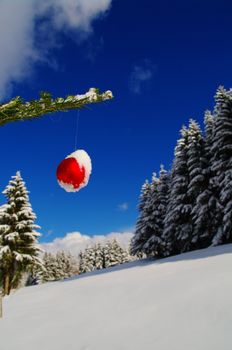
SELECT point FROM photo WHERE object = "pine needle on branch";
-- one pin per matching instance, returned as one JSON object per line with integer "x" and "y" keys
{"x": 16, "y": 109}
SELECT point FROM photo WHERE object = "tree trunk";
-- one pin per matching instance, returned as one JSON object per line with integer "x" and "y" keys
{"x": 1, "y": 293}
{"x": 6, "y": 285}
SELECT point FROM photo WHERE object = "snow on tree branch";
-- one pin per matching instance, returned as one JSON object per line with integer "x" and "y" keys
{"x": 17, "y": 109}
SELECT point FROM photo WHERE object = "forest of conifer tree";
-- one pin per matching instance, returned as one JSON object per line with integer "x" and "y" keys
{"x": 190, "y": 207}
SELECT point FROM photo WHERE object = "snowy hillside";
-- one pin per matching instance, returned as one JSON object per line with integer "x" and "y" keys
{"x": 179, "y": 303}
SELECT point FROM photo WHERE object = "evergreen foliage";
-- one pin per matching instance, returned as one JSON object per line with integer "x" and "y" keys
{"x": 50, "y": 267}
{"x": 140, "y": 235}
{"x": 150, "y": 222}
{"x": 222, "y": 165}
{"x": 114, "y": 254}
{"x": 88, "y": 260}
{"x": 102, "y": 256}
{"x": 177, "y": 225}
{"x": 16, "y": 109}
{"x": 55, "y": 267}
{"x": 204, "y": 210}
{"x": 18, "y": 239}
{"x": 98, "y": 257}
{"x": 197, "y": 169}
{"x": 192, "y": 208}
{"x": 160, "y": 193}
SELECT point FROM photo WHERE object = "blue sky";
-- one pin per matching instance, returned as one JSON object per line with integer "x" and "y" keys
{"x": 163, "y": 61}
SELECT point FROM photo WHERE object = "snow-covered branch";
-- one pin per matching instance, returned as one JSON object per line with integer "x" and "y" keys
{"x": 17, "y": 109}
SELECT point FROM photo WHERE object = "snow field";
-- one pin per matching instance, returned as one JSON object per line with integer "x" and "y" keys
{"x": 178, "y": 303}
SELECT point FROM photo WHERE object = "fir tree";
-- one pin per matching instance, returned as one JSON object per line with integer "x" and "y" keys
{"x": 108, "y": 257}
{"x": 82, "y": 262}
{"x": 114, "y": 254}
{"x": 50, "y": 267}
{"x": 66, "y": 265}
{"x": 185, "y": 223}
{"x": 204, "y": 216}
{"x": 87, "y": 260}
{"x": 177, "y": 226}
{"x": 199, "y": 209}
{"x": 140, "y": 235}
{"x": 209, "y": 130}
{"x": 72, "y": 265}
{"x": 90, "y": 261}
{"x": 150, "y": 210}
{"x": 18, "y": 238}
{"x": 102, "y": 256}
{"x": 222, "y": 166}
{"x": 55, "y": 267}
{"x": 198, "y": 188}
{"x": 154, "y": 245}
{"x": 98, "y": 250}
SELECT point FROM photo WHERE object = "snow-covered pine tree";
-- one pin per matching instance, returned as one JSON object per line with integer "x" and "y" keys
{"x": 66, "y": 265}
{"x": 154, "y": 245}
{"x": 190, "y": 169}
{"x": 121, "y": 254}
{"x": 91, "y": 265}
{"x": 222, "y": 166}
{"x": 55, "y": 267}
{"x": 82, "y": 262}
{"x": 114, "y": 254}
{"x": 50, "y": 268}
{"x": 125, "y": 256}
{"x": 138, "y": 240}
{"x": 44, "y": 273}
{"x": 87, "y": 260}
{"x": 58, "y": 266}
{"x": 18, "y": 239}
{"x": 108, "y": 257}
{"x": 197, "y": 189}
{"x": 177, "y": 226}
{"x": 34, "y": 277}
{"x": 209, "y": 130}
{"x": 101, "y": 256}
{"x": 98, "y": 250}
{"x": 62, "y": 266}
{"x": 203, "y": 212}
{"x": 151, "y": 225}
{"x": 72, "y": 265}
{"x": 140, "y": 235}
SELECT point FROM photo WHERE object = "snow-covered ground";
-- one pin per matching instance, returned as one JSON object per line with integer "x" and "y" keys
{"x": 179, "y": 303}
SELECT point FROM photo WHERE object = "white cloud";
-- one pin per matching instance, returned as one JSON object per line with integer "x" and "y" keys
{"x": 30, "y": 28}
{"x": 74, "y": 242}
{"x": 141, "y": 74}
{"x": 74, "y": 14}
{"x": 123, "y": 206}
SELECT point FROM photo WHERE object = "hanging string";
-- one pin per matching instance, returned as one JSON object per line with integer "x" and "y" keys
{"x": 77, "y": 127}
